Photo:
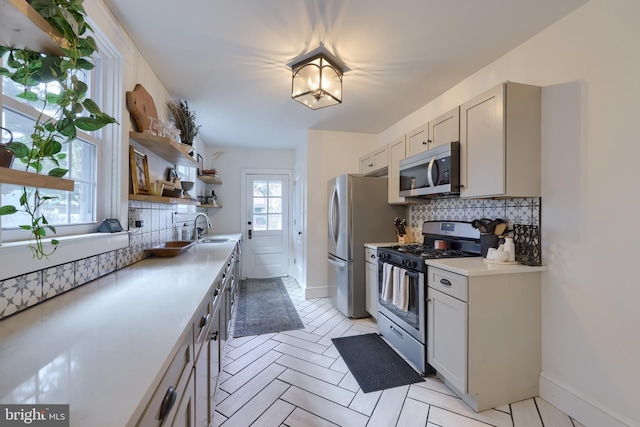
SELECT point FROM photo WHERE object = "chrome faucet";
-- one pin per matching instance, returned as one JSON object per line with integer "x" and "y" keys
{"x": 196, "y": 236}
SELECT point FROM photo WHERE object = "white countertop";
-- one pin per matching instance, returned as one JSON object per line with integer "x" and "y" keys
{"x": 103, "y": 347}
{"x": 475, "y": 266}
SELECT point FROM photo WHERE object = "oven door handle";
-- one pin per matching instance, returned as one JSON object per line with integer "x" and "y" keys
{"x": 413, "y": 274}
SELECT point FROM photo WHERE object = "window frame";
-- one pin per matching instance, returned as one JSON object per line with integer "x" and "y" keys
{"x": 107, "y": 85}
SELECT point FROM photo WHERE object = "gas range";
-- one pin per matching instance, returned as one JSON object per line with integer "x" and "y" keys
{"x": 459, "y": 238}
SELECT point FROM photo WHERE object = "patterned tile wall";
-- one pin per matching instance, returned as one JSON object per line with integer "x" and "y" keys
{"x": 22, "y": 292}
{"x": 515, "y": 211}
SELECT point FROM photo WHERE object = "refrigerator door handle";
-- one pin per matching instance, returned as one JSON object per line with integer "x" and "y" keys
{"x": 333, "y": 261}
{"x": 332, "y": 208}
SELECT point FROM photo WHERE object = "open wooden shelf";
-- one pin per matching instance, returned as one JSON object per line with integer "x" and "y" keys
{"x": 21, "y": 27}
{"x": 209, "y": 179}
{"x": 166, "y": 148}
{"x": 161, "y": 199}
{"x": 210, "y": 206}
{"x": 36, "y": 180}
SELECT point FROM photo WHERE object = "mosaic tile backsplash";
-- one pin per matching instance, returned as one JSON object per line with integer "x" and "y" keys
{"x": 160, "y": 225}
{"x": 524, "y": 211}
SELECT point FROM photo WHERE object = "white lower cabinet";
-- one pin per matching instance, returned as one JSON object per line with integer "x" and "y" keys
{"x": 371, "y": 281}
{"x": 484, "y": 335}
{"x": 447, "y": 347}
{"x": 186, "y": 395}
{"x": 163, "y": 406}
{"x": 185, "y": 414}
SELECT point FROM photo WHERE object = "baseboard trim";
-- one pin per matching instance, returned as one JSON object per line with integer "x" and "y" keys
{"x": 316, "y": 292}
{"x": 579, "y": 406}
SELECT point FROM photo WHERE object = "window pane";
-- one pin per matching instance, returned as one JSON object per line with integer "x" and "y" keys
{"x": 260, "y": 188}
{"x": 82, "y": 156}
{"x": 259, "y": 205}
{"x": 275, "y": 205}
{"x": 275, "y": 188}
{"x": 74, "y": 207}
{"x": 259, "y": 222}
{"x": 12, "y": 89}
{"x": 11, "y": 196}
{"x": 275, "y": 222}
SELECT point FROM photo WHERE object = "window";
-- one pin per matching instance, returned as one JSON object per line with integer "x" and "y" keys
{"x": 267, "y": 205}
{"x": 88, "y": 159}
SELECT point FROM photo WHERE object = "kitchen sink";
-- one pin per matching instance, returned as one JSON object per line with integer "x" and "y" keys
{"x": 213, "y": 240}
{"x": 171, "y": 249}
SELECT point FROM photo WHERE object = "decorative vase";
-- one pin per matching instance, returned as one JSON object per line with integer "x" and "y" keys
{"x": 6, "y": 155}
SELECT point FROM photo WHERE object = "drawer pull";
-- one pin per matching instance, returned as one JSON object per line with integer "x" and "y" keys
{"x": 398, "y": 333}
{"x": 204, "y": 320}
{"x": 168, "y": 402}
{"x": 445, "y": 282}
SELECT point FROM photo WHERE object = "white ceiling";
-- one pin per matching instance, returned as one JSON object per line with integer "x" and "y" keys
{"x": 229, "y": 58}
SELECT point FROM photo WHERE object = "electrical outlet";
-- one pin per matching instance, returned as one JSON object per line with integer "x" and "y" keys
{"x": 139, "y": 223}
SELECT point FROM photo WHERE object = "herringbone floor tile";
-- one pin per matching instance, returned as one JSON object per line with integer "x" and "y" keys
{"x": 297, "y": 378}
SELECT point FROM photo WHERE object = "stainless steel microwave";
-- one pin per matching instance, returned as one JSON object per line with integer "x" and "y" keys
{"x": 434, "y": 172}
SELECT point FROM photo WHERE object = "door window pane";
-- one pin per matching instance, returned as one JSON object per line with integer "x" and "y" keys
{"x": 267, "y": 203}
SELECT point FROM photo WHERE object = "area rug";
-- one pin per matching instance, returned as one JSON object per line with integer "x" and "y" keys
{"x": 263, "y": 307}
{"x": 374, "y": 364}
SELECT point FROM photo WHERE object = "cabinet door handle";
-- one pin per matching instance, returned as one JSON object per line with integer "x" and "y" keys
{"x": 425, "y": 142}
{"x": 428, "y": 300}
{"x": 216, "y": 292}
{"x": 168, "y": 402}
{"x": 214, "y": 336}
{"x": 445, "y": 282}
{"x": 373, "y": 256}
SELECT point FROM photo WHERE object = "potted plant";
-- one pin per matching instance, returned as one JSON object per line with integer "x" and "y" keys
{"x": 74, "y": 109}
{"x": 185, "y": 120}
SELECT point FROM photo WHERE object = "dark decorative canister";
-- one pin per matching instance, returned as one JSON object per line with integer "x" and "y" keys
{"x": 6, "y": 155}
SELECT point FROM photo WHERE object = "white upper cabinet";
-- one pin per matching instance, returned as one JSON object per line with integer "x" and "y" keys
{"x": 445, "y": 128}
{"x": 375, "y": 163}
{"x": 500, "y": 143}
{"x": 417, "y": 140}
{"x": 441, "y": 130}
{"x": 397, "y": 152}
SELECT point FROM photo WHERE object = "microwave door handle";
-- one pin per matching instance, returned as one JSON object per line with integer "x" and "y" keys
{"x": 430, "y": 171}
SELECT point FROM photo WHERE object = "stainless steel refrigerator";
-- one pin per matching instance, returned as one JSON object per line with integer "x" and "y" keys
{"x": 358, "y": 214}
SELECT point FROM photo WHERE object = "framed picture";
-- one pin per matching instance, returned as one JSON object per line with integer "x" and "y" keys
{"x": 139, "y": 169}
{"x": 200, "y": 165}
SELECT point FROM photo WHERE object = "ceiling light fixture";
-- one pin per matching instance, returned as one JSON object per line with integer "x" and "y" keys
{"x": 317, "y": 82}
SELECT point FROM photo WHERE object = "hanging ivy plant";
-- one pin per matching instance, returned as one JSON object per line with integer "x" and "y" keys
{"x": 74, "y": 110}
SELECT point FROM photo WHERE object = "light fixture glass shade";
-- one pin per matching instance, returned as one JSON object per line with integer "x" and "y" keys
{"x": 317, "y": 82}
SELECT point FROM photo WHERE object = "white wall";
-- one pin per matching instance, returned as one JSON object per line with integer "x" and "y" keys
{"x": 589, "y": 66}
{"x": 229, "y": 166}
{"x": 328, "y": 154}
{"x": 134, "y": 70}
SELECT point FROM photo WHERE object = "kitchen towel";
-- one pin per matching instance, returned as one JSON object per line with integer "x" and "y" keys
{"x": 387, "y": 282}
{"x": 400, "y": 289}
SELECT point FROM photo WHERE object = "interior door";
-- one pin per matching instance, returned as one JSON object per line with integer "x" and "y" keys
{"x": 298, "y": 229}
{"x": 267, "y": 225}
